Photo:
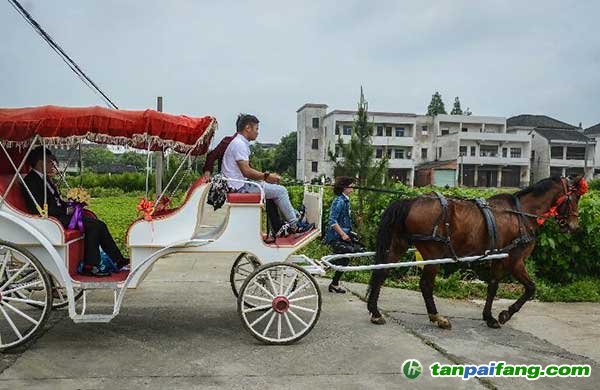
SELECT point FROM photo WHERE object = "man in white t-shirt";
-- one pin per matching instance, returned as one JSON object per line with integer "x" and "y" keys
{"x": 236, "y": 166}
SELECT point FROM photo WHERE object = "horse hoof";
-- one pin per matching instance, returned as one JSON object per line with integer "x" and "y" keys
{"x": 441, "y": 322}
{"x": 378, "y": 320}
{"x": 504, "y": 316}
{"x": 492, "y": 323}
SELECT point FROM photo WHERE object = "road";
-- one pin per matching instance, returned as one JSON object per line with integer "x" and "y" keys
{"x": 180, "y": 329}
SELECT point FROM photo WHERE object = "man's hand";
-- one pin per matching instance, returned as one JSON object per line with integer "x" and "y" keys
{"x": 206, "y": 175}
{"x": 345, "y": 237}
{"x": 273, "y": 178}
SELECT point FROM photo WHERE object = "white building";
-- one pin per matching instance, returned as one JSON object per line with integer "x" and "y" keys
{"x": 436, "y": 149}
{"x": 558, "y": 148}
{"x": 594, "y": 134}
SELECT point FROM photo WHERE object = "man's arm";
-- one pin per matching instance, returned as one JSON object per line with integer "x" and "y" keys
{"x": 253, "y": 174}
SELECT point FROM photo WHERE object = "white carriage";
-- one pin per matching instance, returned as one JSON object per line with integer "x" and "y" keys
{"x": 279, "y": 301}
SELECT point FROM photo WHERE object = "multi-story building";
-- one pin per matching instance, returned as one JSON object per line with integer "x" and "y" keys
{"x": 594, "y": 134}
{"x": 558, "y": 148}
{"x": 441, "y": 150}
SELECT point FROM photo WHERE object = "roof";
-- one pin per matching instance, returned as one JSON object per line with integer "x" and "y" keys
{"x": 148, "y": 129}
{"x": 562, "y": 135}
{"x": 594, "y": 130}
{"x": 312, "y": 105}
{"x": 445, "y": 164}
{"x": 528, "y": 120}
{"x": 371, "y": 113}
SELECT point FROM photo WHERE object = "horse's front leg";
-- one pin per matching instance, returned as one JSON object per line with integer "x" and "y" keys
{"x": 492, "y": 288}
{"x": 377, "y": 279}
{"x": 426, "y": 284}
{"x": 520, "y": 273}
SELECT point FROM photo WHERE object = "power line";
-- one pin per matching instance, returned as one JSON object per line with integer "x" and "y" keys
{"x": 61, "y": 53}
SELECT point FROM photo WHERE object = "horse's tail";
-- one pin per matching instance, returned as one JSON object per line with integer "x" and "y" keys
{"x": 393, "y": 217}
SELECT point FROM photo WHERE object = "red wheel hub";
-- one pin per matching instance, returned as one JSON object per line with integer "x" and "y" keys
{"x": 280, "y": 304}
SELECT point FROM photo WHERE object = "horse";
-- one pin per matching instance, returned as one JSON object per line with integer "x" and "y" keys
{"x": 442, "y": 227}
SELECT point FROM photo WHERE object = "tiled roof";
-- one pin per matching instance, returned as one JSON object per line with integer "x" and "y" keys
{"x": 594, "y": 130}
{"x": 527, "y": 120}
{"x": 562, "y": 135}
{"x": 371, "y": 113}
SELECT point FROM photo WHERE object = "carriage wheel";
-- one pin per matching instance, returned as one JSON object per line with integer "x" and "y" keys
{"x": 287, "y": 308}
{"x": 59, "y": 294}
{"x": 243, "y": 266}
{"x": 20, "y": 320}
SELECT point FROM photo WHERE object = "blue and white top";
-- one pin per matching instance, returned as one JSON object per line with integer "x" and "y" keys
{"x": 339, "y": 214}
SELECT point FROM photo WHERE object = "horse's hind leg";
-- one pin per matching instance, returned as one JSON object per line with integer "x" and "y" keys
{"x": 492, "y": 288}
{"x": 520, "y": 273}
{"x": 426, "y": 284}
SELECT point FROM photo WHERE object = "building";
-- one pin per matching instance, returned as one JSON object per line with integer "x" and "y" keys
{"x": 558, "y": 148}
{"x": 440, "y": 150}
{"x": 594, "y": 134}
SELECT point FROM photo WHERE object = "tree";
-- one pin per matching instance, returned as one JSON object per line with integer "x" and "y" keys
{"x": 285, "y": 155}
{"x": 467, "y": 112}
{"x": 436, "y": 106}
{"x": 261, "y": 158}
{"x": 138, "y": 160}
{"x": 358, "y": 158}
{"x": 94, "y": 157}
{"x": 456, "y": 110}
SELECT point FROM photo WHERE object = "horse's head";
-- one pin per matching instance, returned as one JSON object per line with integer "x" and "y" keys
{"x": 566, "y": 209}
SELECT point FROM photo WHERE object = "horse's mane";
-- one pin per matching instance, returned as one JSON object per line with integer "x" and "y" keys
{"x": 539, "y": 188}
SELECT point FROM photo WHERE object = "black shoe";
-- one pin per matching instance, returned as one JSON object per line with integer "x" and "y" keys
{"x": 94, "y": 271}
{"x": 336, "y": 289}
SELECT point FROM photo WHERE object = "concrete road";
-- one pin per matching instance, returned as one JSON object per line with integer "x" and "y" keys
{"x": 181, "y": 330}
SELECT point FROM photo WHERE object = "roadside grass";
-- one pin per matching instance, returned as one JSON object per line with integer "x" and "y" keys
{"x": 120, "y": 211}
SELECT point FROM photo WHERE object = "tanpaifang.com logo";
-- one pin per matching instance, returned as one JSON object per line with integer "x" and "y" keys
{"x": 412, "y": 368}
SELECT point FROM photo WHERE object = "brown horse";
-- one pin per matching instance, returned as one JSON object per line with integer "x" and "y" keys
{"x": 441, "y": 227}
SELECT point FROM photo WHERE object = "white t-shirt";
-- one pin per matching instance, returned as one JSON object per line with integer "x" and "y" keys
{"x": 238, "y": 150}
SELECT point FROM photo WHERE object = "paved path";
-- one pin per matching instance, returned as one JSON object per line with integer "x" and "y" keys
{"x": 180, "y": 329}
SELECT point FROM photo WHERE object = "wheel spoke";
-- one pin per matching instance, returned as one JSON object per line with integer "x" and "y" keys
{"x": 61, "y": 297}
{"x": 257, "y": 308}
{"x": 297, "y": 318}
{"x": 264, "y": 289}
{"x": 14, "y": 276}
{"x": 306, "y": 309}
{"x": 19, "y": 312}
{"x": 298, "y": 289}
{"x": 281, "y": 283}
{"x": 4, "y": 262}
{"x": 291, "y": 285}
{"x": 22, "y": 287}
{"x": 302, "y": 298}
{"x": 287, "y": 319}
{"x": 279, "y": 326}
{"x": 257, "y": 298}
{"x": 271, "y": 282}
{"x": 11, "y": 323}
{"x": 261, "y": 318}
{"x": 264, "y": 333}
{"x": 34, "y": 302}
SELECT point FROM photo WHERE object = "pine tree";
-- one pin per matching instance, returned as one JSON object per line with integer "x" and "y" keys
{"x": 467, "y": 112}
{"x": 456, "y": 110}
{"x": 436, "y": 106}
{"x": 356, "y": 158}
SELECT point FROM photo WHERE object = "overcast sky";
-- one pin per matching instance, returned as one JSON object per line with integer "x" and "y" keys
{"x": 269, "y": 57}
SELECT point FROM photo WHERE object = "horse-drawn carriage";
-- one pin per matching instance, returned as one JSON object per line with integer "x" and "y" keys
{"x": 279, "y": 302}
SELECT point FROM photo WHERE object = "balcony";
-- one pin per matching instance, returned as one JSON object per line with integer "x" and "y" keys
{"x": 392, "y": 141}
{"x": 555, "y": 162}
{"x": 402, "y": 163}
{"x": 520, "y": 161}
{"x": 502, "y": 137}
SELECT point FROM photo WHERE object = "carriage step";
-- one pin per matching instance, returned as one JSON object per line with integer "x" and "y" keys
{"x": 100, "y": 285}
{"x": 81, "y": 318}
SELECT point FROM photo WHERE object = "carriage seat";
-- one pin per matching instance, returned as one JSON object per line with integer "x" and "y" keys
{"x": 16, "y": 199}
{"x": 238, "y": 197}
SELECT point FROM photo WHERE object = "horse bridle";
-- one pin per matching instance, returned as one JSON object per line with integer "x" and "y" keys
{"x": 557, "y": 210}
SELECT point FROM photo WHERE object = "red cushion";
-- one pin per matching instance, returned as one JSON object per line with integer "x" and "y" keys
{"x": 71, "y": 234}
{"x": 16, "y": 196}
{"x": 235, "y": 197}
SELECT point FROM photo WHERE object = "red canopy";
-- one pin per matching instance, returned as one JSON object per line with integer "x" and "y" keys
{"x": 147, "y": 129}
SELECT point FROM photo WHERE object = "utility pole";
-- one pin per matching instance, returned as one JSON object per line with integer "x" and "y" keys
{"x": 158, "y": 156}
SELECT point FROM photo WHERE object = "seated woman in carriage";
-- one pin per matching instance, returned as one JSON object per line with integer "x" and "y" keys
{"x": 96, "y": 232}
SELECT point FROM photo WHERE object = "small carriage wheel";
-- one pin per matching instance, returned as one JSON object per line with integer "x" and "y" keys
{"x": 20, "y": 321}
{"x": 288, "y": 308}
{"x": 242, "y": 267}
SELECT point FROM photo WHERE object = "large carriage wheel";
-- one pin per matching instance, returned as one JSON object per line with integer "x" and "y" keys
{"x": 287, "y": 308}
{"x": 59, "y": 293}
{"x": 20, "y": 320}
{"x": 242, "y": 267}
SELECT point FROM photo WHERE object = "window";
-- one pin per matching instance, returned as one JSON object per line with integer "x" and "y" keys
{"x": 399, "y": 153}
{"x": 399, "y": 131}
{"x": 315, "y": 166}
{"x": 464, "y": 130}
{"x": 424, "y": 131}
{"x": 424, "y": 152}
{"x": 440, "y": 152}
{"x": 472, "y": 151}
{"x": 337, "y": 151}
{"x": 504, "y": 152}
{"x": 315, "y": 123}
{"x": 556, "y": 152}
{"x": 462, "y": 151}
{"x": 347, "y": 130}
{"x": 388, "y": 131}
{"x": 575, "y": 153}
{"x": 515, "y": 152}
{"x": 379, "y": 153}
{"x": 380, "y": 131}
{"x": 337, "y": 130}
{"x": 388, "y": 152}
{"x": 445, "y": 131}
{"x": 315, "y": 143}
{"x": 488, "y": 151}
{"x": 533, "y": 154}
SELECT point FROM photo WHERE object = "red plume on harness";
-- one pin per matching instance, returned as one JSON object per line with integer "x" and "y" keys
{"x": 581, "y": 188}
